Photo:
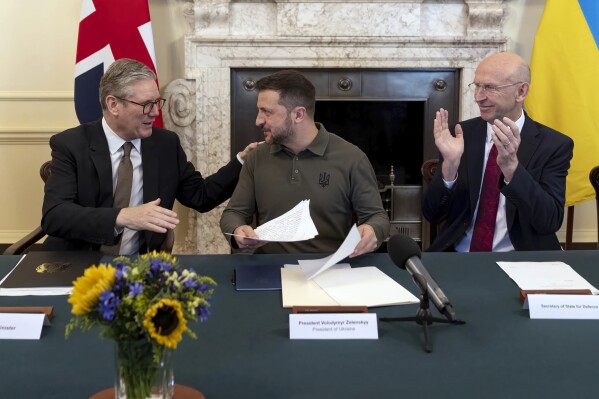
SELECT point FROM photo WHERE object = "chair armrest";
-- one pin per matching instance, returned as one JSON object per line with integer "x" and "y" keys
{"x": 20, "y": 246}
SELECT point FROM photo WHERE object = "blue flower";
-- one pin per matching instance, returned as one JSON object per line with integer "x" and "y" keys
{"x": 108, "y": 304}
{"x": 121, "y": 269}
{"x": 204, "y": 312}
{"x": 203, "y": 287}
{"x": 166, "y": 266}
{"x": 135, "y": 289}
{"x": 191, "y": 283}
{"x": 155, "y": 265}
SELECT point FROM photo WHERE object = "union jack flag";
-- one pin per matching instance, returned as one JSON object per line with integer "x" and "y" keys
{"x": 109, "y": 30}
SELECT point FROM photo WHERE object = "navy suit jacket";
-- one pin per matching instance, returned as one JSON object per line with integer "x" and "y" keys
{"x": 535, "y": 196}
{"x": 77, "y": 209}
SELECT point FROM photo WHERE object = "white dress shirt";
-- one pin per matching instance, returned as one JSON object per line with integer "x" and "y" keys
{"x": 501, "y": 238}
{"x": 130, "y": 240}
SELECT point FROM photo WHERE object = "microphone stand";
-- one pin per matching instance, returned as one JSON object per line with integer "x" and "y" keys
{"x": 423, "y": 315}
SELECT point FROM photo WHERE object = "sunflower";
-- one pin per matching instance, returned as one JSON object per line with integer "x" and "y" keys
{"x": 165, "y": 322}
{"x": 162, "y": 256}
{"x": 87, "y": 288}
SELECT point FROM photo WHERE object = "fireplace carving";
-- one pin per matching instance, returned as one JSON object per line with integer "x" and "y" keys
{"x": 226, "y": 36}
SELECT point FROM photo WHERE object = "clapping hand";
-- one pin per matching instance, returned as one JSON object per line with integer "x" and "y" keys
{"x": 450, "y": 147}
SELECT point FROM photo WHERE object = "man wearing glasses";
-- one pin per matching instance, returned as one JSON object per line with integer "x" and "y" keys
{"x": 501, "y": 180}
{"x": 113, "y": 182}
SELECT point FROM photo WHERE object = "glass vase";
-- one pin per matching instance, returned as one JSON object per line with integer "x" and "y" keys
{"x": 140, "y": 374}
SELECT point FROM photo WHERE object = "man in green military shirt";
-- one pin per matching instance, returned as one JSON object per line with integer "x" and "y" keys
{"x": 299, "y": 161}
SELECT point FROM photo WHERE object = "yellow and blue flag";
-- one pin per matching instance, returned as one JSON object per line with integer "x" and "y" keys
{"x": 564, "y": 93}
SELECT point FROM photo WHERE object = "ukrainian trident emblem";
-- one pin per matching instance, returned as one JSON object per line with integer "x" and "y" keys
{"x": 324, "y": 178}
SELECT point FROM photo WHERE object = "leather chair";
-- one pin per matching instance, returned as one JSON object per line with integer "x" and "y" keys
{"x": 429, "y": 231}
{"x": 594, "y": 178}
{"x": 26, "y": 242}
{"x": 428, "y": 169}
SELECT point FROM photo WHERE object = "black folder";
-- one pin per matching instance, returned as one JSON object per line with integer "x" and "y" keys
{"x": 257, "y": 277}
{"x": 40, "y": 269}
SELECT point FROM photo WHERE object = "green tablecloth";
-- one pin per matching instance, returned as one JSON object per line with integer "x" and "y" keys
{"x": 243, "y": 350}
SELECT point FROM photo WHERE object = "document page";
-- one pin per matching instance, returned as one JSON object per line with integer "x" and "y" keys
{"x": 545, "y": 276}
{"x": 294, "y": 225}
{"x": 314, "y": 267}
{"x": 342, "y": 285}
{"x": 297, "y": 291}
{"x": 363, "y": 286}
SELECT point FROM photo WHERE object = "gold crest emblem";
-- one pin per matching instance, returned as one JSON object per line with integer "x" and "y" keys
{"x": 52, "y": 267}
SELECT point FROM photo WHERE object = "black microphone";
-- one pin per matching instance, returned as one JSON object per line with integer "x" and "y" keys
{"x": 405, "y": 253}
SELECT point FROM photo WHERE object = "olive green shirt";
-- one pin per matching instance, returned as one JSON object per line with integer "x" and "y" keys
{"x": 335, "y": 175}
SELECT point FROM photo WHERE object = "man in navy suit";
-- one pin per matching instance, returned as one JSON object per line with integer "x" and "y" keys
{"x": 78, "y": 212}
{"x": 533, "y": 161}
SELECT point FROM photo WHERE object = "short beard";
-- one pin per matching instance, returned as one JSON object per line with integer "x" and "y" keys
{"x": 284, "y": 135}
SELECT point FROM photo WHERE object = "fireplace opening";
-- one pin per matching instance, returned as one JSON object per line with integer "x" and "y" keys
{"x": 387, "y": 113}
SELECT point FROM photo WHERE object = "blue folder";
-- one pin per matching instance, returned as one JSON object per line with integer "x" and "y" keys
{"x": 257, "y": 277}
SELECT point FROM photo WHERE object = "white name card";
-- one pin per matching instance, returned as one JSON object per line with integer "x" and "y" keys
{"x": 21, "y": 325}
{"x": 333, "y": 326}
{"x": 563, "y": 306}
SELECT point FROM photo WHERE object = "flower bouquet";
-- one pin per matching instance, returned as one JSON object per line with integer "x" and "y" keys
{"x": 143, "y": 304}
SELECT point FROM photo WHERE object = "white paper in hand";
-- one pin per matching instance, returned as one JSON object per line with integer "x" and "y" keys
{"x": 294, "y": 225}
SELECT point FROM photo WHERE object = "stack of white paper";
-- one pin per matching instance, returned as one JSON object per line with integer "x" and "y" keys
{"x": 340, "y": 285}
{"x": 545, "y": 276}
{"x": 36, "y": 291}
{"x": 325, "y": 282}
{"x": 295, "y": 225}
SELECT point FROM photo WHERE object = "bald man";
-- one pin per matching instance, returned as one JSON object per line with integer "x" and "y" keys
{"x": 532, "y": 162}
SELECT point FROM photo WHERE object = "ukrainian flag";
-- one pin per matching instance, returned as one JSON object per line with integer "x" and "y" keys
{"x": 564, "y": 93}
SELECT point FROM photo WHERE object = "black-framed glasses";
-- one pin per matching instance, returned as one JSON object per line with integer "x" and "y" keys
{"x": 148, "y": 106}
{"x": 490, "y": 89}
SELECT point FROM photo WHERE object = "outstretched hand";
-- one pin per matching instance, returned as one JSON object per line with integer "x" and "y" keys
{"x": 250, "y": 147}
{"x": 149, "y": 216}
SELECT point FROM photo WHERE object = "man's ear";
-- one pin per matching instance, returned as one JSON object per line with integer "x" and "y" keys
{"x": 522, "y": 91}
{"x": 298, "y": 114}
{"x": 112, "y": 105}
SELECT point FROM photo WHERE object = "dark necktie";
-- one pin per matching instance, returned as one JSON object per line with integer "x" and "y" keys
{"x": 122, "y": 194}
{"x": 484, "y": 227}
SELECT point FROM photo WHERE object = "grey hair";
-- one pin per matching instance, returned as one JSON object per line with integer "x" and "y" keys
{"x": 120, "y": 76}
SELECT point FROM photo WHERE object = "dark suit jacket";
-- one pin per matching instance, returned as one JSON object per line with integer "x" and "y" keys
{"x": 535, "y": 197}
{"x": 77, "y": 209}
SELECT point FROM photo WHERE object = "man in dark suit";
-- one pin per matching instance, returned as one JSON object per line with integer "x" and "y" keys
{"x": 532, "y": 163}
{"x": 78, "y": 211}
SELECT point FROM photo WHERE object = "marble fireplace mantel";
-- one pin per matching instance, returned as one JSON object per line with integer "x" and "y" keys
{"x": 225, "y": 34}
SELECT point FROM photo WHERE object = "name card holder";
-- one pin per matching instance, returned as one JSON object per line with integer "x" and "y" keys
{"x": 580, "y": 307}
{"x": 329, "y": 309}
{"x": 47, "y": 310}
{"x": 332, "y": 322}
{"x": 24, "y": 322}
{"x": 524, "y": 293}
